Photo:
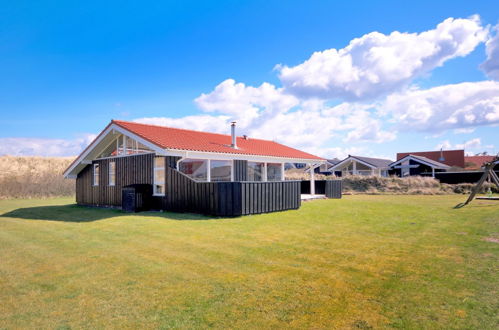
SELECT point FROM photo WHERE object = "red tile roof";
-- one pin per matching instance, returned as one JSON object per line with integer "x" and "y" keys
{"x": 451, "y": 157}
{"x": 476, "y": 162}
{"x": 183, "y": 139}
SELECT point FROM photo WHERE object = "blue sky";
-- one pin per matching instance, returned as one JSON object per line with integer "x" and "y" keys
{"x": 67, "y": 68}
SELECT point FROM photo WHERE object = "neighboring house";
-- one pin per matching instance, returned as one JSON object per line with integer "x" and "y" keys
{"x": 184, "y": 170}
{"x": 417, "y": 165}
{"x": 476, "y": 162}
{"x": 324, "y": 168}
{"x": 453, "y": 158}
{"x": 356, "y": 165}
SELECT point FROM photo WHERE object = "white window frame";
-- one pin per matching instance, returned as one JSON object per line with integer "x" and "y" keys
{"x": 112, "y": 174}
{"x": 163, "y": 168}
{"x": 96, "y": 174}
{"x": 282, "y": 172}
{"x": 221, "y": 160}
{"x": 263, "y": 175}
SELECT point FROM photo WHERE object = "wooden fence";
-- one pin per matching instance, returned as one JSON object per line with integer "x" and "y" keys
{"x": 229, "y": 198}
{"x": 329, "y": 188}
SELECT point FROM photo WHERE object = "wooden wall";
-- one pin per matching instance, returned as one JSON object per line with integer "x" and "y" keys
{"x": 333, "y": 188}
{"x": 184, "y": 194}
{"x": 263, "y": 197}
{"x": 229, "y": 198}
{"x": 135, "y": 169}
{"x": 240, "y": 170}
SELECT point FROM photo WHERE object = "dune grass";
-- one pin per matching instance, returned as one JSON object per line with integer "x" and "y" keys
{"x": 34, "y": 177}
{"x": 361, "y": 262}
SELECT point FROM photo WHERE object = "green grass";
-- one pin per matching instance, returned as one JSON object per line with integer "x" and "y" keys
{"x": 359, "y": 262}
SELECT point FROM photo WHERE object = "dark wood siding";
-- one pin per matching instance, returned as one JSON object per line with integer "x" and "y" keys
{"x": 263, "y": 197}
{"x": 184, "y": 194}
{"x": 240, "y": 170}
{"x": 136, "y": 169}
{"x": 330, "y": 188}
{"x": 229, "y": 198}
{"x": 333, "y": 188}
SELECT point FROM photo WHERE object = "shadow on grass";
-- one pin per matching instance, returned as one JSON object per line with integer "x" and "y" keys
{"x": 76, "y": 213}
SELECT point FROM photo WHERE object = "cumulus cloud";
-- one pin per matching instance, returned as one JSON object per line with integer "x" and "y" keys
{"x": 491, "y": 64}
{"x": 445, "y": 107}
{"x": 474, "y": 145}
{"x": 268, "y": 112}
{"x": 377, "y": 64}
{"x": 370, "y": 132}
{"x": 246, "y": 102}
{"x": 44, "y": 147}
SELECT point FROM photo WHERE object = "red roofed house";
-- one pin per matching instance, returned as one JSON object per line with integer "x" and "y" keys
{"x": 476, "y": 162}
{"x": 452, "y": 158}
{"x": 139, "y": 166}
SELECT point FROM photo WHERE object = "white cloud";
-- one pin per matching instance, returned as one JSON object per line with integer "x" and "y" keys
{"x": 466, "y": 130}
{"x": 44, "y": 147}
{"x": 491, "y": 64}
{"x": 371, "y": 132}
{"x": 245, "y": 103}
{"x": 445, "y": 107}
{"x": 474, "y": 144}
{"x": 269, "y": 113}
{"x": 377, "y": 64}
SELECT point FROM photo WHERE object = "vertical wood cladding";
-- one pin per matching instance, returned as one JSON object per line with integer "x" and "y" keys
{"x": 184, "y": 194}
{"x": 229, "y": 198}
{"x": 240, "y": 170}
{"x": 333, "y": 188}
{"x": 136, "y": 169}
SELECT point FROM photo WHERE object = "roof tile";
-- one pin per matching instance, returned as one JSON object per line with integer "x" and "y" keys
{"x": 184, "y": 139}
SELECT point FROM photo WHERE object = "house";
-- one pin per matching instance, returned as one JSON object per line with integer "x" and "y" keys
{"x": 357, "y": 165}
{"x": 452, "y": 158}
{"x": 174, "y": 169}
{"x": 477, "y": 162}
{"x": 417, "y": 165}
{"x": 324, "y": 168}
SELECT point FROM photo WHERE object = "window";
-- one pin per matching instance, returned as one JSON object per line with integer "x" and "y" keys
{"x": 159, "y": 176}
{"x": 255, "y": 171}
{"x": 220, "y": 170}
{"x": 405, "y": 169}
{"x": 274, "y": 172}
{"x": 196, "y": 169}
{"x": 96, "y": 175}
{"x": 124, "y": 146}
{"x": 112, "y": 173}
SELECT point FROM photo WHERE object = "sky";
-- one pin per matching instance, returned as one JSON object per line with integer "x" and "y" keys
{"x": 333, "y": 78}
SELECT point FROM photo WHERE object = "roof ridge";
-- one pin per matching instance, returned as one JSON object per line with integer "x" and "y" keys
{"x": 186, "y": 129}
{"x": 411, "y": 153}
{"x": 370, "y": 157}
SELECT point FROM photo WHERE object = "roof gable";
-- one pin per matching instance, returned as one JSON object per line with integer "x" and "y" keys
{"x": 421, "y": 159}
{"x": 375, "y": 163}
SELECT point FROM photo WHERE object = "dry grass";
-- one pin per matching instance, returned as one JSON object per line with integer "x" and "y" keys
{"x": 413, "y": 185}
{"x": 34, "y": 177}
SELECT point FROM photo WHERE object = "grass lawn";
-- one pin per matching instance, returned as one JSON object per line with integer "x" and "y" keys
{"x": 360, "y": 262}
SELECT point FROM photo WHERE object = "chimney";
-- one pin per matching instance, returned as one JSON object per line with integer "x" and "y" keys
{"x": 442, "y": 158}
{"x": 233, "y": 133}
